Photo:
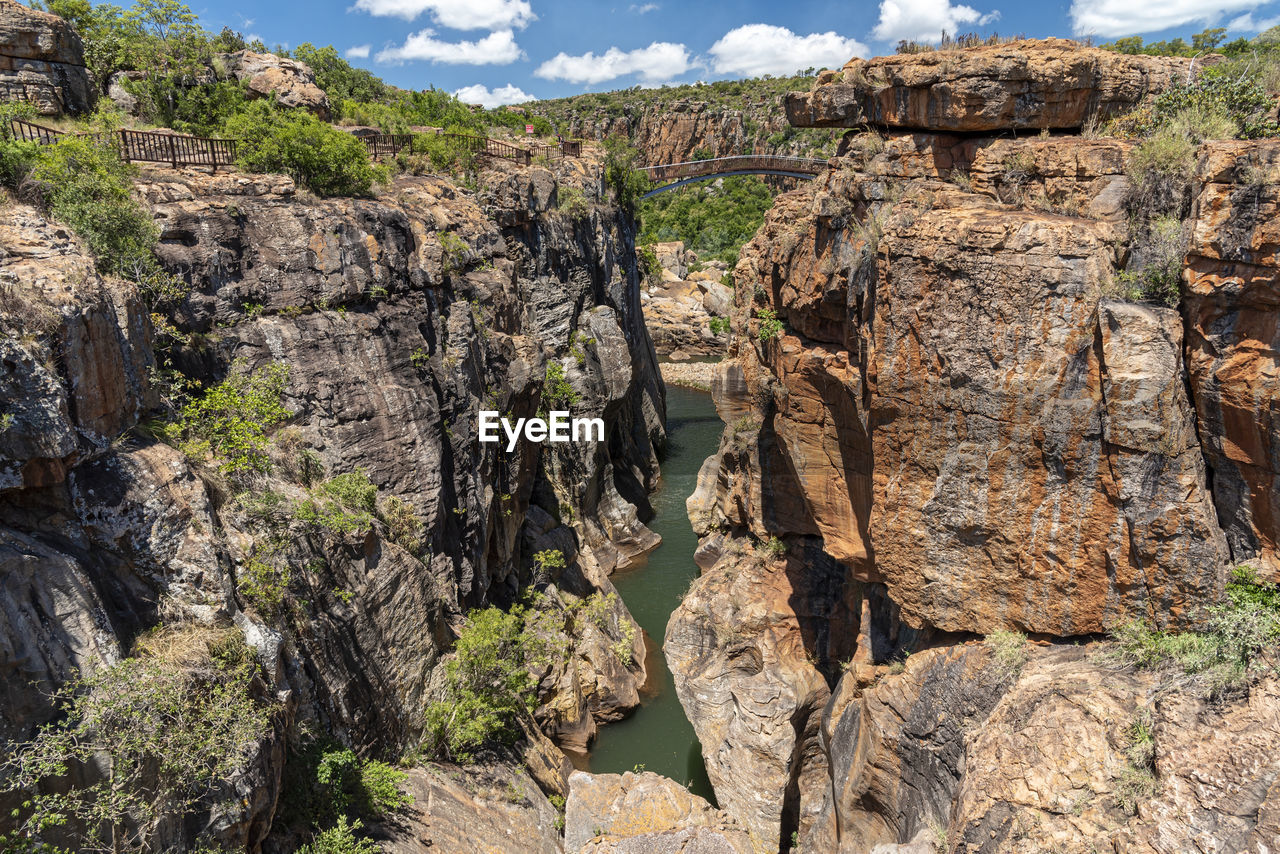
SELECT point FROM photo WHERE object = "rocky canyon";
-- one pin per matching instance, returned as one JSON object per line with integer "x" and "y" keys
{"x": 986, "y": 554}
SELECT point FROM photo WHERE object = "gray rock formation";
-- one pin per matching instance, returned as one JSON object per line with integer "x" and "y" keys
{"x": 42, "y": 61}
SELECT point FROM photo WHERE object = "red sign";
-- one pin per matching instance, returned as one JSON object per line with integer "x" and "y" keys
{"x": 528, "y": 129}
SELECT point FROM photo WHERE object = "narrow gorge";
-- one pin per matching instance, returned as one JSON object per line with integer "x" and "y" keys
{"x": 970, "y": 547}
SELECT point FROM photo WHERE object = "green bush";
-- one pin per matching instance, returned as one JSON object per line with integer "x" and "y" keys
{"x": 488, "y": 686}
{"x": 172, "y": 726}
{"x": 770, "y": 325}
{"x": 16, "y": 156}
{"x": 177, "y": 102}
{"x": 231, "y": 420}
{"x": 447, "y": 153}
{"x": 1238, "y": 630}
{"x": 327, "y": 161}
{"x": 1156, "y": 273}
{"x": 264, "y": 585}
{"x": 648, "y": 266}
{"x": 572, "y": 202}
{"x": 622, "y": 172}
{"x": 557, "y": 392}
{"x": 369, "y": 786}
{"x": 88, "y": 187}
{"x": 341, "y": 839}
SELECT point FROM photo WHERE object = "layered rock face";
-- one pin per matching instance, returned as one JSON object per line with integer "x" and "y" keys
{"x": 679, "y": 308}
{"x": 42, "y": 61}
{"x": 288, "y": 82}
{"x": 934, "y": 385}
{"x": 1025, "y": 85}
{"x": 397, "y": 319}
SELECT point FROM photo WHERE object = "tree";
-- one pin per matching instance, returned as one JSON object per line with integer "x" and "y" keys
{"x": 1206, "y": 41}
{"x": 166, "y": 728}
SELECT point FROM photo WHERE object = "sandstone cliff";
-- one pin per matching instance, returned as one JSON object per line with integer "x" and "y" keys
{"x": 42, "y": 61}
{"x": 943, "y": 419}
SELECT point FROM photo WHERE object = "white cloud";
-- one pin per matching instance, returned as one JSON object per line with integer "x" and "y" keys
{"x": 360, "y": 51}
{"x": 456, "y": 14}
{"x": 645, "y": 8}
{"x": 480, "y": 94}
{"x": 656, "y": 63}
{"x": 498, "y": 48}
{"x": 924, "y": 20}
{"x": 1111, "y": 18}
{"x": 757, "y": 49}
{"x": 1246, "y": 23}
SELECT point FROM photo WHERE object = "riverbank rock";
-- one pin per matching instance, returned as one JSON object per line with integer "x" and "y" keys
{"x": 1031, "y": 84}
{"x": 748, "y": 647}
{"x": 645, "y": 814}
{"x": 486, "y": 807}
{"x": 42, "y": 61}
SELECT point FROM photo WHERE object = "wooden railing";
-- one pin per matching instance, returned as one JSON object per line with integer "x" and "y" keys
{"x": 144, "y": 146}
{"x": 176, "y": 149}
{"x": 184, "y": 150}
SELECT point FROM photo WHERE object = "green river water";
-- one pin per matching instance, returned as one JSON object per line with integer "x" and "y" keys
{"x": 659, "y": 736}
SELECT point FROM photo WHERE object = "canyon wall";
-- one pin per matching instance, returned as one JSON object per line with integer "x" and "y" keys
{"x": 393, "y": 320}
{"x": 944, "y": 419}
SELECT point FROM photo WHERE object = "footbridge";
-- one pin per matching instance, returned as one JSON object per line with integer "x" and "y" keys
{"x": 678, "y": 174}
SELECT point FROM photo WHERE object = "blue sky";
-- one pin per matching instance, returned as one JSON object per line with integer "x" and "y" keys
{"x": 496, "y": 51}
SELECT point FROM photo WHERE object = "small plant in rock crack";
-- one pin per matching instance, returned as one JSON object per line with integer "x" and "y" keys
{"x": 1008, "y": 652}
{"x": 770, "y": 325}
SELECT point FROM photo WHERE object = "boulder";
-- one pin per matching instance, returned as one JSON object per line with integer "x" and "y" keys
{"x": 290, "y": 82}
{"x": 42, "y": 61}
{"x": 488, "y": 807}
{"x": 646, "y": 814}
{"x": 1024, "y": 85}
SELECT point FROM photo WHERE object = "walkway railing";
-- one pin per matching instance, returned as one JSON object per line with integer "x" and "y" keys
{"x": 185, "y": 150}
{"x": 144, "y": 146}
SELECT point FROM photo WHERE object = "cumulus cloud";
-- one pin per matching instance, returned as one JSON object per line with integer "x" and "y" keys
{"x": 1111, "y": 18}
{"x": 656, "y": 63}
{"x": 1246, "y": 23}
{"x": 498, "y": 48}
{"x": 924, "y": 20}
{"x": 480, "y": 94}
{"x": 456, "y": 14}
{"x": 757, "y": 49}
{"x": 360, "y": 51}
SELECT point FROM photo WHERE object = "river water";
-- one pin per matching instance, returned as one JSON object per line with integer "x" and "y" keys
{"x": 659, "y": 736}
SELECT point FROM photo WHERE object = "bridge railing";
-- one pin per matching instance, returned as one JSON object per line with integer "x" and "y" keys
{"x": 735, "y": 163}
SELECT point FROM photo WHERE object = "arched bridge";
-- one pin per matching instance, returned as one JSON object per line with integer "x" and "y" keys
{"x": 679, "y": 174}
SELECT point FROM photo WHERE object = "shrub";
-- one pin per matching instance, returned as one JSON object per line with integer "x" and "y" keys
{"x": 231, "y": 420}
{"x": 368, "y": 785}
{"x": 403, "y": 524}
{"x": 327, "y": 161}
{"x": 547, "y": 561}
{"x": 770, "y": 325}
{"x": 341, "y": 839}
{"x": 622, "y": 172}
{"x": 16, "y": 156}
{"x": 178, "y": 102}
{"x": 488, "y": 686}
{"x": 447, "y": 153}
{"x": 342, "y": 505}
{"x": 89, "y": 188}
{"x": 648, "y": 266}
{"x": 719, "y": 325}
{"x": 1008, "y": 652}
{"x": 573, "y": 202}
{"x": 557, "y": 392}
{"x": 264, "y": 585}
{"x": 1155, "y": 268}
{"x": 170, "y": 727}
{"x": 1221, "y": 657}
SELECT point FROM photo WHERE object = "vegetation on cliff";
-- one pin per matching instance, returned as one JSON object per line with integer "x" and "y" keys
{"x": 714, "y": 219}
{"x": 163, "y": 730}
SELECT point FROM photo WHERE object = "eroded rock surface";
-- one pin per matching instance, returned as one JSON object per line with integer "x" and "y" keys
{"x": 1032, "y": 84}
{"x": 42, "y": 61}
{"x": 646, "y": 814}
